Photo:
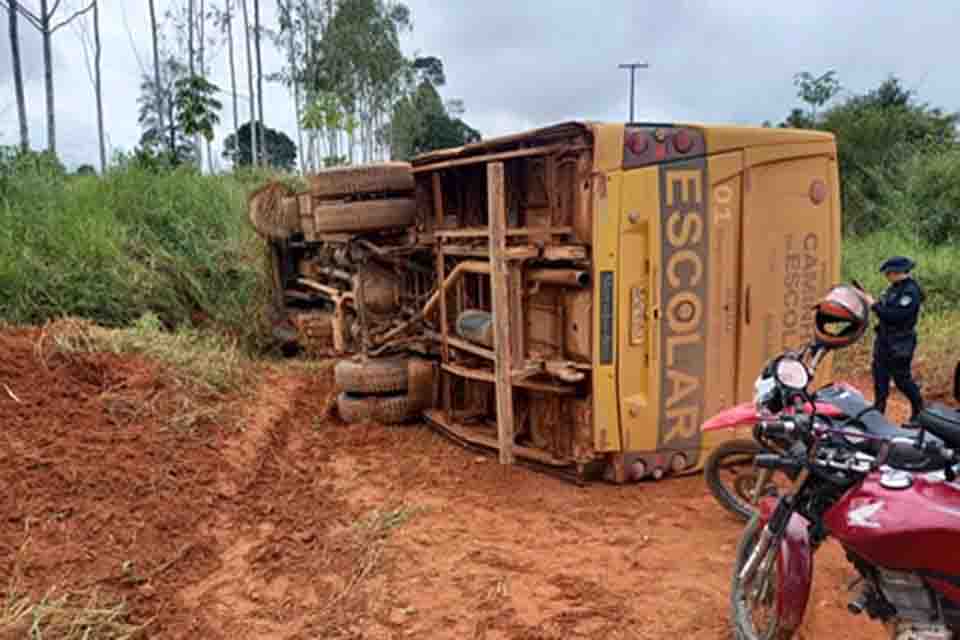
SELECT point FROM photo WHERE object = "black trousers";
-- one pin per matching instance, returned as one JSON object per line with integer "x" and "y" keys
{"x": 893, "y": 358}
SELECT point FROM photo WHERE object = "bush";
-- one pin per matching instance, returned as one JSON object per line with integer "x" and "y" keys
{"x": 923, "y": 197}
{"x": 879, "y": 133}
{"x": 174, "y": 244}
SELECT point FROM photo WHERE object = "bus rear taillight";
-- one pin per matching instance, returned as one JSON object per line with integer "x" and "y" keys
{"x": 682, "y": 142}
{"x": 650, "y": 144}
{"x": 637, "y": 142}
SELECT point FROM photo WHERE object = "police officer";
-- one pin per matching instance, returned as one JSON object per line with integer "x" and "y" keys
{"x": 897, "y": 310}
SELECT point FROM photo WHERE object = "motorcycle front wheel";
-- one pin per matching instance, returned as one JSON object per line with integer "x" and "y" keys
{"x": 754, "y": 602}
{"x": 732, "y": 478}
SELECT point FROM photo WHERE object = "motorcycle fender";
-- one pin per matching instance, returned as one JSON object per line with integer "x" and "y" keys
{"x": 795, "y": 567}
{"x": 796, "y": 573}
{"x": 738, "y": 416}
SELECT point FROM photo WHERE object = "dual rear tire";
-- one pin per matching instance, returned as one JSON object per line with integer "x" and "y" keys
{"x": 378, "y": 390}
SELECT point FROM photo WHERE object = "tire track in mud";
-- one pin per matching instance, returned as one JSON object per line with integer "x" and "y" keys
{"x": 491, "y": 553}
{"x": 234, "y": 601}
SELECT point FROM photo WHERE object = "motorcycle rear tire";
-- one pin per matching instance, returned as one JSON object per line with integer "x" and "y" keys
{"x": 711, "y": 471}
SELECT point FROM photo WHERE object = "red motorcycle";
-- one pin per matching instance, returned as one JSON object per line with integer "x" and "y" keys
{"x": 899, "y": 526}
{"x": 732, "y": 477}
{"x": 729, "y": 470}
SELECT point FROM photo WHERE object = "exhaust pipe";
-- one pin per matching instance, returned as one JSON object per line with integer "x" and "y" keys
{"x": 561, "y": 277}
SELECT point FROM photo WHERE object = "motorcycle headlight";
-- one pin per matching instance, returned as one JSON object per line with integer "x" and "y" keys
{"x": 792, "y": 373}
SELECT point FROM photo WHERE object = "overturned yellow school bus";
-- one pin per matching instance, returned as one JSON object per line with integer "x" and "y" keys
{"x": 582, "y": 296}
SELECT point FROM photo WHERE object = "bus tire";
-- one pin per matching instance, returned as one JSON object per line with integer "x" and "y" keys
{"x": 274, "y": 211}
{"x": 374, "y": 375}
{"x": 364, "y": 215}
{"x": 391, "y": 409}
{"x": 387, "y": 177}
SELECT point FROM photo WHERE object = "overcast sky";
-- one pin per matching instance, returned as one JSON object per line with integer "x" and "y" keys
{"x": 522, "y": 64}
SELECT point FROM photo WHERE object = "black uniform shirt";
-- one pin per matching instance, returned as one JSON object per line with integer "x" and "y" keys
{"x": 898, "y": 308}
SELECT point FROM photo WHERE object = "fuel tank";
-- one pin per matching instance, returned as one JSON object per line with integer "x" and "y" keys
{"x": 906, "y": 522}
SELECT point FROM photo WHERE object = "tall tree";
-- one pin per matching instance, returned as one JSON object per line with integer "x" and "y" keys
{"x": 191, "y": 65}
{"x": 203, "y": 70}
{"x": 156, "y": 61}
{"x": 253, "y": 117}
{"x": 197, "y": 108}
{"x": 227, "y": 24}
{"x": 816, "y": 91}
{"x": 290, "y": 28}
{"x": 45, "y": 23}
{"x": 48, "y": 77}
{"x": 158, "y": 114}
{"x": 98, "y": 50}
{"x": 314, "y": 18}
{"x": 256, "y": 35}
{"x": 421, "y": 122}
{"x": 281, "y": 151}
{"x": 18, "y": 75}
{"x": 361, "y": 62}
{"x": 94, "y": 71}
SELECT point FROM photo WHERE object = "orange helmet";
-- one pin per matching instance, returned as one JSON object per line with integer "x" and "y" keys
{"x": 841, "y": 317}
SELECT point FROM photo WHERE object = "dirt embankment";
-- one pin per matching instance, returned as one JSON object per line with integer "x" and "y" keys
{"x": 269, "y": 520}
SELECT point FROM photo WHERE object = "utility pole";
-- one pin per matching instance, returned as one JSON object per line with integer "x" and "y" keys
{"x": 633, "y": 66}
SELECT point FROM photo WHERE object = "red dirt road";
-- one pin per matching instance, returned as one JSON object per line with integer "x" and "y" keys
{"x": 274, "y": 522}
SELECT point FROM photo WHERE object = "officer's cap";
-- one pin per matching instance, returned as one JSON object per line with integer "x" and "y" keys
{"x": 897, "y": 264}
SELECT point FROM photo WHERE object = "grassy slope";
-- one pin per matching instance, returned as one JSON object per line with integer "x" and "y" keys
{"x": 176, "y": 245}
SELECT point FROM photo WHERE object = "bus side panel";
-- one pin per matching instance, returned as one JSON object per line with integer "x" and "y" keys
{"x": 606, "y": 410}
{"x": 726, "y": 198}
{"x": 638, "y": 365}
{"x": 835, "y": 246}
{"x": 789, "y": 251}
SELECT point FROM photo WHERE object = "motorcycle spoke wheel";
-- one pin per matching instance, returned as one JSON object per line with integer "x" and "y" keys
{"x": 732, "y": 478}
{"x": 755, "y": 601}
{"x": 729, "y": 473}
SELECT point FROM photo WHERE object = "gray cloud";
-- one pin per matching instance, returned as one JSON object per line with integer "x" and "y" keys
{"x": 524, "y": 64}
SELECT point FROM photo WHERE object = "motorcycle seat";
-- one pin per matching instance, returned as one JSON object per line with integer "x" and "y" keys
{"x": 942, "y": 422}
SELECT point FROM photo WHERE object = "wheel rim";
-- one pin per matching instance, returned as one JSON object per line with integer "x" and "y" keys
{"x": 758, "y": 598}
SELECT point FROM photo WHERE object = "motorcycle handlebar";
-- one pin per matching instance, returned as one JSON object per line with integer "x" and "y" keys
{"x": 949, "y": 456}
{"x": 794, "y": 426}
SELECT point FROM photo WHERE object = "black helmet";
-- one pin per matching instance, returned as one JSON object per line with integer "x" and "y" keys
{"x": 841, "y": 317}
{"x": 897, "y": 264}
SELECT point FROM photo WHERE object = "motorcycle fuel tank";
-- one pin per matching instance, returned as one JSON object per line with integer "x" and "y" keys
{"x": 904, "y": 522}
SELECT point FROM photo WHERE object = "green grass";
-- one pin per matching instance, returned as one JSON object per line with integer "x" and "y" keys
{"x": 938, "y": 267}
{"x": 176, "y": 245}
